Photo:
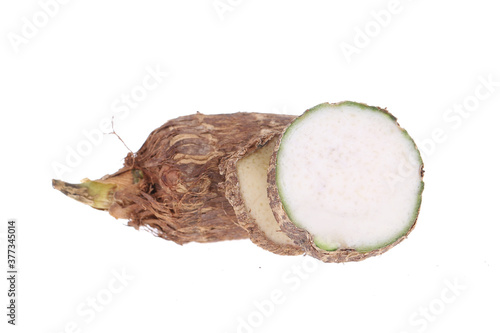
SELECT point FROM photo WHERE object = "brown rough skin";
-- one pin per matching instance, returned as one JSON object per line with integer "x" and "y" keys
{"x": 233, "y": 194}
{"x": 302, "y": 237}
{"x": 179, "y": 195}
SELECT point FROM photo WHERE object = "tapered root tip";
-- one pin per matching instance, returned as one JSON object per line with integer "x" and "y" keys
{"x": 95, "y": 194}
{"x": 60, "y": 185}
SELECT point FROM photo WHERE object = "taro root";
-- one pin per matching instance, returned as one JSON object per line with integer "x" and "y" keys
{"x": 345, "y": 182}
{"x": 342, "y": 182}
{"x": 173, "y": 185}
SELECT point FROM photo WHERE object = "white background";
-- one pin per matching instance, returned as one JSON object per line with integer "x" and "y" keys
{"x": 69, "y": 75}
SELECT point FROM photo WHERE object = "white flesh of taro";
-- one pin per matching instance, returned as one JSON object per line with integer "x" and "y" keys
{"x": 252, "y": 176}
{"x": 350, "y": 176}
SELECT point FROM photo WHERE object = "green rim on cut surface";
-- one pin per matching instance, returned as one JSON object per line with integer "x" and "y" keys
{"x": 349, "y": 175}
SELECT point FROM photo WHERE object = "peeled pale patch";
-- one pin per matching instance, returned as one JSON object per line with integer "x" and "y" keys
{"x": 345, "y": 181}
{"x": 246, "y": 190}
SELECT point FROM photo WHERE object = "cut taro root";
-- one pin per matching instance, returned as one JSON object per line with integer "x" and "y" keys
{"x": 246, "y": 190}
{"x": 345, "y": 181}
{"x": 342, "y": 182}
